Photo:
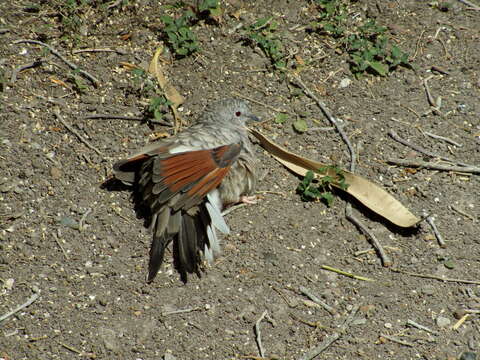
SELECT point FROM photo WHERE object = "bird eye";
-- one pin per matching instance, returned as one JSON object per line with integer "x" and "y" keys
{"x": 238, "y": 113}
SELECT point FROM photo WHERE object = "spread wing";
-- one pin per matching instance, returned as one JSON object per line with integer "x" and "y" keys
{"x": 179, "y": 190}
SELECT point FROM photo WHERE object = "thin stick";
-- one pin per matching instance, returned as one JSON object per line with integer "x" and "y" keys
{"x": 232, "y": 208}
{"x": 434, "y": 277}
{"x": 450, "y": 141}
{"x": 118, "y": 51}
{"x": 77, "y": 134}
{"x": 430, "y": 98}
{"x": 60, "y": 245}
{"x": 429, "y": 165}
{"x": 82, "y": 219}
{"x": 421, "y": 327}
{"x": 341, "y": 272}
{"x": 316, "y": 300}
{"x": 386, "y": 261}
{"x": 327, "y": 128}
{"x": 24, "y": 67}
{"x": 258, "y": 335}
{"x": 419, "y": 149}
{"x": 20, "y": 307}
{"x": 329, "y": 340}
{"x": 179, "y": 311}
{"x": 396, "y": 340}
{"x": 128, "y": 118}
{"x": 472, "y": 5}
{"x": 460, "y": 321}
{"x": 431, "y": 221}
{"x": 90, "y": 77}
{"x": 461, "y": 212}
{"x": 261, "y": 103}
{"x": 346, "y": 140}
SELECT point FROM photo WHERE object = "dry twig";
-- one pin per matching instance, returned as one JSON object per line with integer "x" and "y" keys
{"x": 90, "y": 77}
{"x": 30, "y": 301}
{"x": 373, "y": 240}
{"x": 76, "y": 133}
{"x": 433, "y": 166}
{"x": 421, "y": 327}
{"x": 421, "y": 150}
{"x": 450, "y": 141}
{"x": 317, "y": 300}
{"x": 396, "y": 340}
{"x": 118, "y": 51}
{"x": 128, "y": 118}
{"x": 258, "y": 335}
{"x": 345, "y": 273}
{"x": 431, "y": 221}
{"x": 434, "y": 277}
{"x": 180, "y": 311}
{"x": 329, "y": 340}
{"x": 472, "y": 5}
{"x": 24, "y": 67}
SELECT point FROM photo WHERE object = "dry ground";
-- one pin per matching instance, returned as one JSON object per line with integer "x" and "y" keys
{"x": 93, "y": 301}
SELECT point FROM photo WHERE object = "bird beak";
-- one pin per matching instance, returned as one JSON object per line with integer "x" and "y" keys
{"x": 254, "y": 118}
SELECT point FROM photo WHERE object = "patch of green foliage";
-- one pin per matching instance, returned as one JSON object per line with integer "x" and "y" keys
{"x": 331, "y": 19}
{"x": 148, "y": 88}
{"x": 321, "y": 190}
{"x": 370, "y": 50}
{"x": 178, "y": 30}
{"x": 157, "y": 107}
{"x": 368, "y": 45}
{"x": 211, "y": 7}
{"x": 178, "y": 33}
{"x": 264, "y": 33}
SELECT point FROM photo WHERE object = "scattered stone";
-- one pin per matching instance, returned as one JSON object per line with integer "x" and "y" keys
{"x": 109, "y": 339}
{"x": 443, "y": 322}
{"x": 345, "y": 83}
{"x": 69, "y": 222}
{"x": 55, "y": 173}
{"x": 428, "y": 290}
{"x": 468, "y": 355}
{"x": 169, "y": 356}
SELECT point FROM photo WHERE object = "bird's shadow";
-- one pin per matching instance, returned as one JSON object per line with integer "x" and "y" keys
{"x": 142, "y": 212}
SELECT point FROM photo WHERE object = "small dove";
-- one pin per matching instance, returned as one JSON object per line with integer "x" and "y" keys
{"x": 184, "y": 182}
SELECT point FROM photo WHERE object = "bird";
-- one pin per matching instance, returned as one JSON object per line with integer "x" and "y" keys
{"x": 184, "y": 182}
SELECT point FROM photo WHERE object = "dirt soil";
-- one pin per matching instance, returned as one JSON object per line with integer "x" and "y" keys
{"x": 80, "y": 254}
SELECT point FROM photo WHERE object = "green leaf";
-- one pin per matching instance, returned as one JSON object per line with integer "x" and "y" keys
{"x": 280, "y": 118}
{"x": 300, "y": 125}
{"x": 379, "y": 68}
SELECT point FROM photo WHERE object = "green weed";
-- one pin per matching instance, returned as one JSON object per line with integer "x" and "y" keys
{"x": 147, "y": 87}
{"x": 263, "y": 33}
{"x": 321, "y": 190}
{"x": 370, "y": 51}
{"x": 331, "y": 19}
{"x": 368, "y": 45}
{"x": 178, "y": 34}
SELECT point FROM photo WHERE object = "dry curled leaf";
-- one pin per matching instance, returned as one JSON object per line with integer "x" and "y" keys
{"x": 369, "y": 194}
{"x": 171, "y": 93}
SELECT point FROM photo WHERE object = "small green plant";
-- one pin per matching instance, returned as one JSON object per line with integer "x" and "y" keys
{"x": 321, "y": 190}
{"x": 157, "y": 107}
{"x": 263, "y": 33}
{"x": 331, "y": 19}
{"x": 370, "y": 51}
{"x": 148, "y": 88}
{"x": 211, "y": 8}
{"x": 178, "y": 33}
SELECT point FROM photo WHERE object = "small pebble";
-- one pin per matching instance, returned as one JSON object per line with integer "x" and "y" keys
{"x": 468, "y": 355}
{"x": 443, "y": 322}
{"x": 55, "y": 173}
